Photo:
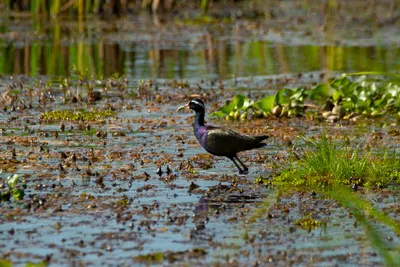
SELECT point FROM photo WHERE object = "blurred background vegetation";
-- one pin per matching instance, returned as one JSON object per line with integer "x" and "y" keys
{"x": 203, "y": 38}
{"x": 114, "y": 7}
{"x": 122, "y": 7}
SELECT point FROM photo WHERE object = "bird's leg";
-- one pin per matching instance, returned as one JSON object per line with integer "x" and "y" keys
{"x": 237, "y": 165}
{"x": 245, "y": 169}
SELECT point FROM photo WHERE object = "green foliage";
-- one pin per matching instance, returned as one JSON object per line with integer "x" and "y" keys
{"x": 151, "y": 258}
{"x": 14, "y": 189}
{"x": 18, "y": 194}
{"x": 68, "y": 115}
{"x": 343, "y": 98}
{"x": 308, "y": 223}
{"x": 284, "y": 102}
{"x": 170, "y": 256}
{"x": 325, "y": 164}
{"x": 235, "y": 109}
{"x": 13, "y": 180}
{"x": 39, "y": 264}
{"x": 5, "y": 263}
{"x": 329, "y": 169}
{"x": 266, "y": 104}
{"x": 369, "y": 97}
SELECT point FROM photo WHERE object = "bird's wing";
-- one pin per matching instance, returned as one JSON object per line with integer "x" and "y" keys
{"x": 226, "y": 142}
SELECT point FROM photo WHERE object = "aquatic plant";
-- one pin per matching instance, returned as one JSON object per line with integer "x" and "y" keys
{"x": 308, "y": 223}
{"x": 68, "y": 115}
{"x": 15, "y": 189}
{"x": 235, "y": 109}
{"x": 343, "y": 98}
{"x": 336, "y": 171}
{"x": 170, "y": 256}
{"x": 5, "y": 263}
{"x": 324, "y": 163}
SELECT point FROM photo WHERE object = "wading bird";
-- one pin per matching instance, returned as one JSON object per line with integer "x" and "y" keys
{"x": 219, "y": 141}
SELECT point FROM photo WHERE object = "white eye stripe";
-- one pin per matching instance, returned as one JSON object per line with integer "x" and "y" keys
{"x": 198, "y": 103}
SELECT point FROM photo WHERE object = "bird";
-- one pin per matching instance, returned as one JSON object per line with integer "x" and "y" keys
{"x": 220, "y": 141}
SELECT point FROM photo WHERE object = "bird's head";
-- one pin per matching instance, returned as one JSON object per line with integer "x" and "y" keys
{"x": 196, "y": 104}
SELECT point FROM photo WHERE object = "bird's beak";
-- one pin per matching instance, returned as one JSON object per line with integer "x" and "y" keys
{"x": 182, "y": 107}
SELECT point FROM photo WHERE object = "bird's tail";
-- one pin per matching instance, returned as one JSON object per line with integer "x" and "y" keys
{"x": 261, "y": 137}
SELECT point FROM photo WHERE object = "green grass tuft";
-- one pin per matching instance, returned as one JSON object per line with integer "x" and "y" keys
{"x": 328, "y": 169}
{"x": 325, "y": 164}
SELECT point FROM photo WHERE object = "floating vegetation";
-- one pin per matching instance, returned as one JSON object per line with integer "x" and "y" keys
{"x": 8, "y": 164}
{"x": 308, "y": 223}
{"x": 68, "y": 115}
{"x": 15, "y": 188}
{"x": 39, "y": 264}
{"x": 5, "y": 263}
{"x": 340, "y": 99}
{"x": 159, "y": 257}
{"x": 153, "y": 257}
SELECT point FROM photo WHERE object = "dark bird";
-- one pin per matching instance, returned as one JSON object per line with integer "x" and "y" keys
{"x": 219, "y": 141}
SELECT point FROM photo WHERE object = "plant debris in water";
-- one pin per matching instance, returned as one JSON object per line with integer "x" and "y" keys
{"x": 308, "y": 223}
{"x": 68, "y": 115}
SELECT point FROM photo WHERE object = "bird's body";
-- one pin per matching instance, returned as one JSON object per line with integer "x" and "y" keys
{"x": 220, "y": 141}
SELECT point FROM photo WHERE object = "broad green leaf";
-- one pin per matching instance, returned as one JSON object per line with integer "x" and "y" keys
{"x": 228, "y": 108}
{"x": 321, "y": 90}
{"x": 266, "y": 104}
{"x": 282, "y": 97}
{"x": 348, "y": 88}
{"x": 247, "y": 104}
{"x": 336, "y": 95}
{"x": 381, "y": 102}
{"x": 363, "y": 105}
{"x": 239, "y": 100}
{"x": 218, "y": 114}
{"x": 13, "y": 180}
{"x": 339, "y": 82}
{"x": 348, "y": 105}
{"x": 18, "y": 194}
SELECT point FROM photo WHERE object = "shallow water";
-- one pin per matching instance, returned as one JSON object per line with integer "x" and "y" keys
{"x": 163, "y": 215}
{"x": 139, "y": 47}
{"x": 109, "y": 205}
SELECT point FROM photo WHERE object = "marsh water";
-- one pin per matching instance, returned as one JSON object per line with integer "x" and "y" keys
{"x": 144, "y": 47}
{"x": 107, "y": 205}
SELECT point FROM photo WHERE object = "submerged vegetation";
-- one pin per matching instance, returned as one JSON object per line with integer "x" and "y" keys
{"x": 368, "y": 96}
{"x": 69, "y": 115}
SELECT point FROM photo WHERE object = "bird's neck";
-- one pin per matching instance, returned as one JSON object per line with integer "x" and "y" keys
{"x": 199, "y": 121}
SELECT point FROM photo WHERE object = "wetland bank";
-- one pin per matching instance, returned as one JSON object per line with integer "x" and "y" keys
{"x": 98, "y": 168}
